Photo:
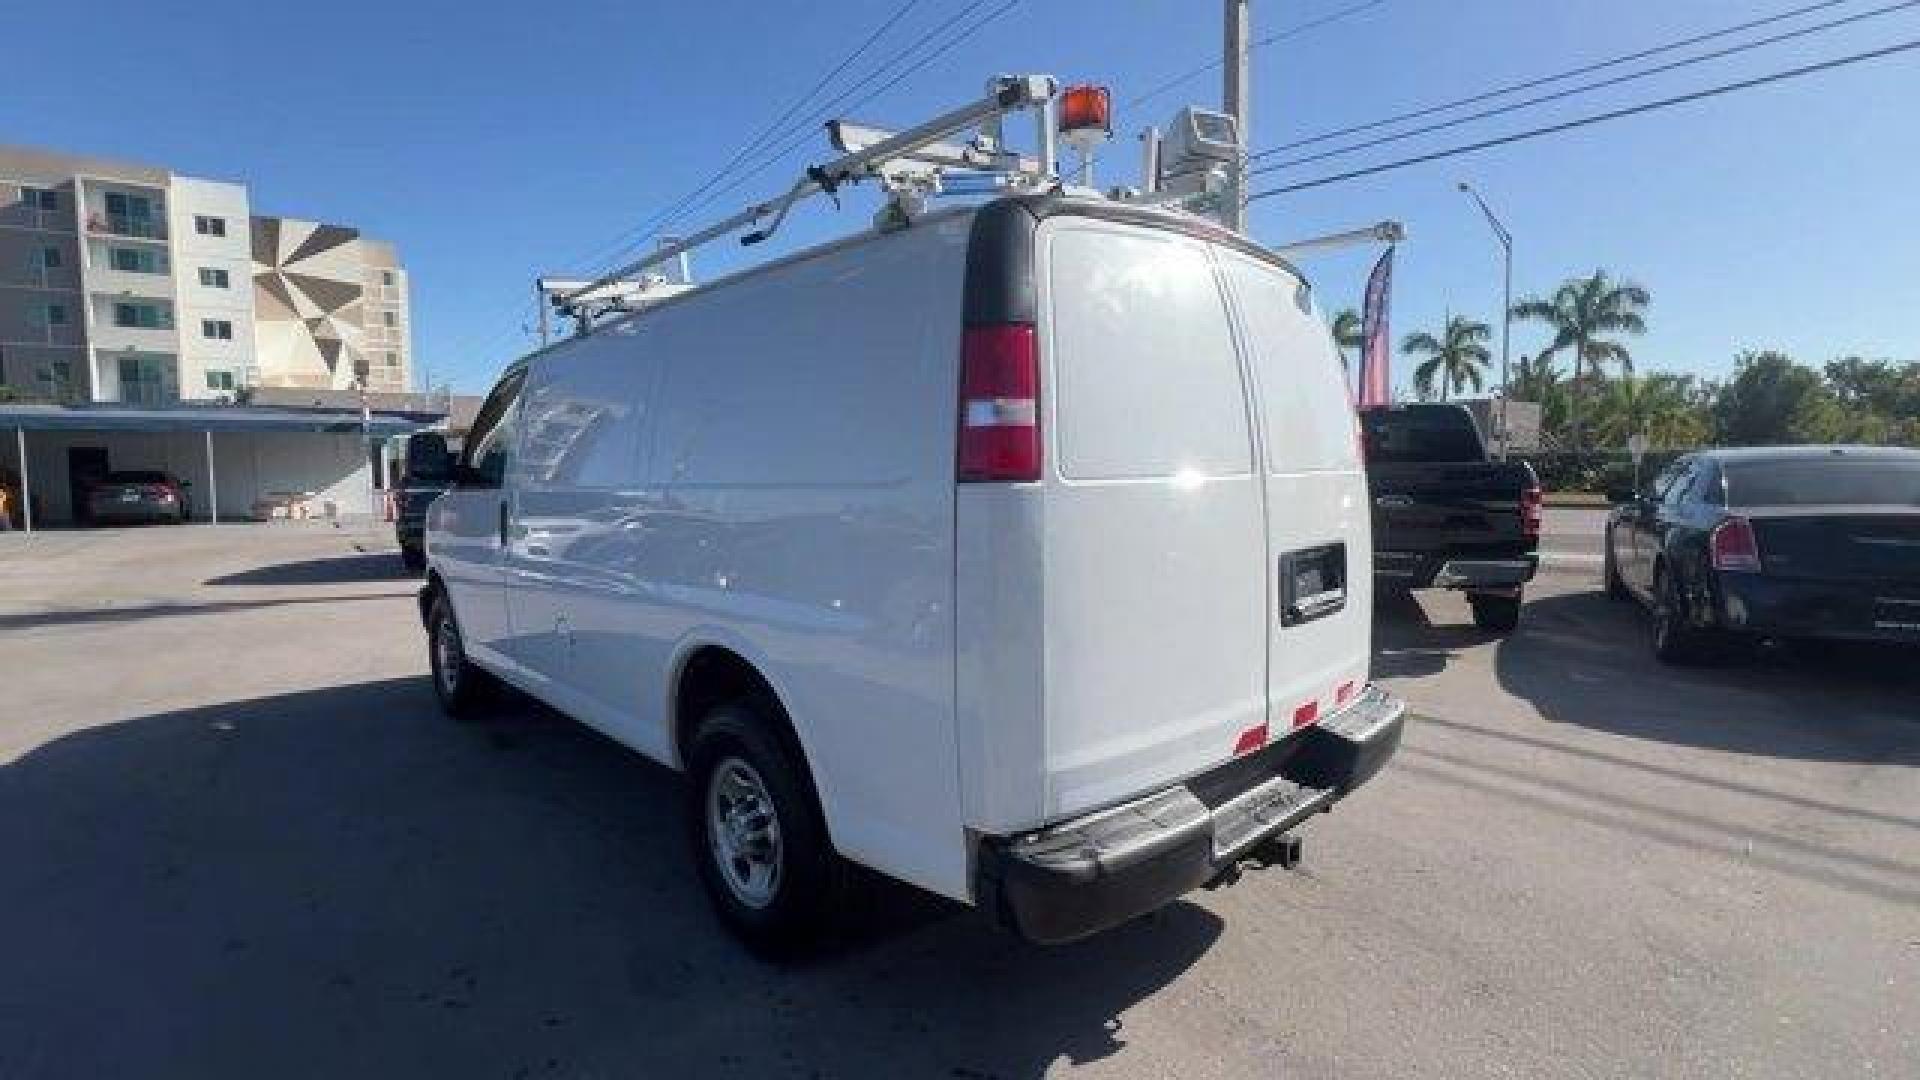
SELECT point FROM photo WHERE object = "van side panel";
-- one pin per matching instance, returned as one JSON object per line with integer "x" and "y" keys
{"x": 576, "y": 601}
{"x": 803, "y": 458}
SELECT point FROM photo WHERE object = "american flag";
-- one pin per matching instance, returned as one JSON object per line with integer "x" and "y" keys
{"x": 1376, "y": 346}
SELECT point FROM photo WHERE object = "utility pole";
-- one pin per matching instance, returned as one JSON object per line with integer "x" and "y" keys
{"x": 1236, "y": 101}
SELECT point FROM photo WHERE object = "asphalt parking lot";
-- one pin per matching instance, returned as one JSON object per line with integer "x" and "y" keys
{"x": 237, "y": 840}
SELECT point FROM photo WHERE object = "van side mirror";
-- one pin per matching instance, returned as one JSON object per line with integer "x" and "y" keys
{"x": 429, "y": 462}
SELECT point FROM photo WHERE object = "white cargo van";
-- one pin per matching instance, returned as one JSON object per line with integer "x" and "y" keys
{"x": 1020, "y": 553}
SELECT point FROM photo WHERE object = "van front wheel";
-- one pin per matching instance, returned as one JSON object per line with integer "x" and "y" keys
{"x": 757, "y": 832}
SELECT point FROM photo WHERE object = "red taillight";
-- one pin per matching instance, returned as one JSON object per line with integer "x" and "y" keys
{"x": 1734, "y": 545}
{"x": 1531, "y": 501}
{"x": 999, "y": 405}
{"x": 158, "y": 492}
{"x": 1306, "y": 715}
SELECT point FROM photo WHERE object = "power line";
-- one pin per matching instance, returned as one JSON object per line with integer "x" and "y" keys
{"x": 662, "y": 222}
{"x": 1583, "y": 88}
{"x": 1261, "y": 43}
{"x": 766, "y": 133}
{"x": 811, "y": 130}
{"x": 1529, "y": 84}
{"x": 1616, "y": 114}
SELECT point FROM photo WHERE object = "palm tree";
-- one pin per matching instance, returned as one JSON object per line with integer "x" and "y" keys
{"x": 1661, "y": 406}
{"x": 1348, "y": 333}
{"x": 1456, "y": 357}
{"x": 1579, "y": 312}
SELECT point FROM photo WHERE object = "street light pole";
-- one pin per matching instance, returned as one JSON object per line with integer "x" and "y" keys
{"x": 1506, "y": 309}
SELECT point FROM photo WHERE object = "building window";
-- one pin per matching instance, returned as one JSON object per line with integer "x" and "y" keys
{"x": 220, "y": 380}
{"x": 50, "y": 258}
{"x": 213, "y": 277}
{"x": 209, "y": 226}
{"x": 216, "y": 328}
{"x": 40, "y": 198}
{"x": 56, "y": 314}
{"x": 386, "y": 278}
{"x": 136, "y": 261}
{"x": 392, "y": 359}
{"x": 390, "y": 318}
{"x": 140, "y": 316}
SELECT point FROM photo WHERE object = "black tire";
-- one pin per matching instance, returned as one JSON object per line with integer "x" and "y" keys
{"x": 792, "y": 911}
{"x": 1495, "y": 614}
{"x": 460, "y": 686}
{"x": 1616, "y": 585}
{"x": 1674, "y": 637}
{"x": 413, "y": 558}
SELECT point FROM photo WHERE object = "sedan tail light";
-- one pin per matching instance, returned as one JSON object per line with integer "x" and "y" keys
{"x": 1734, "y": 546}
{"x": 157, "y": 492}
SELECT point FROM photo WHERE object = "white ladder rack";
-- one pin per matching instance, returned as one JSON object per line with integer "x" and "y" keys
{"x": 892, "y": 157}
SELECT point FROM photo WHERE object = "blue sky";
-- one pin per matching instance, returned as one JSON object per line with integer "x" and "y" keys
{"x": 496, "y": 141}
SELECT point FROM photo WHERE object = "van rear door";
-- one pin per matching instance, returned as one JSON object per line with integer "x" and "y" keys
{"x": 1318, "y": 533}
{"x": 1155, "y": 552}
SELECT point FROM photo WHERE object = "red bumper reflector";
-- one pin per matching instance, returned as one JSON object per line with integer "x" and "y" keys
{"x": 1345, "y": 694}
{"x": 1306, "y": 714}
{"x": 1250, "y": 740}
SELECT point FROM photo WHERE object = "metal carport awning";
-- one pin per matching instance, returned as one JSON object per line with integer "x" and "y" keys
{"x": 209, "y": 421}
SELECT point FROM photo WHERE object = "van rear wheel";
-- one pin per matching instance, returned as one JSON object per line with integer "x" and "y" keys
{"x": 757, "y": 833}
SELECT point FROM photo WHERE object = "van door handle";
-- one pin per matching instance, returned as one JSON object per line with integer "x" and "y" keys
{"x": 503, "y": 523}
{"x": 1392, "y": 501}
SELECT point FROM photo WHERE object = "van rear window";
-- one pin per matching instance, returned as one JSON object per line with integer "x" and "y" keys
{"x": 1142, "y": 357}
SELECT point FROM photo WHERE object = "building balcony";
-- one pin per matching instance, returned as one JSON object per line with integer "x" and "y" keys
{"x": 123, "y": 225}
{"x": 27, "y": 217}
{"x": 106, "y": 280}
{"x": 108, "y": 338}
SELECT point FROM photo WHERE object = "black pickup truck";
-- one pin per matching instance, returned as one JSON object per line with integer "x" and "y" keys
{"x": 1445, "y": 515}
{"x": 429, "y": 469}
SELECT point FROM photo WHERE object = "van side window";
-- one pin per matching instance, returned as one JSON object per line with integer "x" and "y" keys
{"x": 1143, "y": 360}
{"x": 484, "y": 463}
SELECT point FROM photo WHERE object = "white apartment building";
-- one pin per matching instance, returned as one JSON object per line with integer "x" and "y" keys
{"x": 130, "y": 283}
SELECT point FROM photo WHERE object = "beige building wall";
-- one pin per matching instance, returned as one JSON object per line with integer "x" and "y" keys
{"x": 330, "y": 308}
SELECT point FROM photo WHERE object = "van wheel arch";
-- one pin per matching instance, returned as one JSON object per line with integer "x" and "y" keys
{"x": 714, "y": 675}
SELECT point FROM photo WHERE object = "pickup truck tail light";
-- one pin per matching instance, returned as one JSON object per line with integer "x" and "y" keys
{"x": 1734, "y": 546}
{"x": 999, "y": 405}
{"x": 1531, "y": 501}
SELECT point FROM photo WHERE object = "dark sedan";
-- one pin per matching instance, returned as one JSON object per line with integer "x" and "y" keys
{"x": 137, "y": 498}
{"x": 1790, "y": 542}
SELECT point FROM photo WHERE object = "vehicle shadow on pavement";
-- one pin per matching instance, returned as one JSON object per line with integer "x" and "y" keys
{"x": 1577, "y": 650}
{"x": 1408, "y": 644}
{"x": 342, "y": 882}
{"x": 367, "y": 566}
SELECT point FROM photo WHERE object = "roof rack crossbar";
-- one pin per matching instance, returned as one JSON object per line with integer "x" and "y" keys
{"x": 1008, "y": 94}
